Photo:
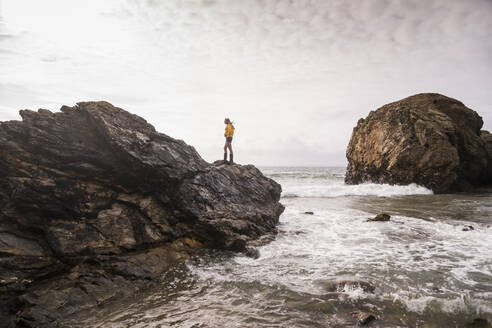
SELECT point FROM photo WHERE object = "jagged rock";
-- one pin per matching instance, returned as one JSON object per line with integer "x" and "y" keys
{"x": 380, "y": 217}
{"x": 428, "y": 139}
{"x": 94, "y": 202}
{"x": 362, "y": 317}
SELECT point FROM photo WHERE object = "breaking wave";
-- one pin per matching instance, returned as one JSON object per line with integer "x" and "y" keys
{"x": 337, "y": 189}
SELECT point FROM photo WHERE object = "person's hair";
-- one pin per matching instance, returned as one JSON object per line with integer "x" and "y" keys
{"x": 228, "y": 121}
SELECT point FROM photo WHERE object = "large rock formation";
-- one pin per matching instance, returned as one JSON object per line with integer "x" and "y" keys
{"x": 487, "y": 139}
{"x": 94, "y": 203}
{"x": 428, "y": 139}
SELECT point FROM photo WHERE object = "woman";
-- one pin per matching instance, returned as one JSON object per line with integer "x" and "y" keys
{"x": 229, "y": 132}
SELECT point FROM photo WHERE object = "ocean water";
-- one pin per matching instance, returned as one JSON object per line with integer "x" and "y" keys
{"x": 420, "y": 269}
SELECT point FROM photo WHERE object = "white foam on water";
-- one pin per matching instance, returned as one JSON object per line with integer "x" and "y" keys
{"x": 329, "y": 182}
{"x": 338, "y": 188}
{"x": 419, "y": 263}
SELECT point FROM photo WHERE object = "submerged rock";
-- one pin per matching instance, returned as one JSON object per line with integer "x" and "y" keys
{"x": 362, "y": 317}
{"x": 427, "y": 139}
{"x": 380, "y": 217}
{"x": 479, "y": 323}
{"x": 94, "y": 203}
{"x": 343, "y": 286}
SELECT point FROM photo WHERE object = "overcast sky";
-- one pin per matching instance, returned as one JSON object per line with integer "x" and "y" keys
{"x": 294, "y": 76}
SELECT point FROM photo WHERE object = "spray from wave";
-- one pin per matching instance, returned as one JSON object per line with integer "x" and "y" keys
{"x": 329, "y": 182}
{"x": 339, "y": 189}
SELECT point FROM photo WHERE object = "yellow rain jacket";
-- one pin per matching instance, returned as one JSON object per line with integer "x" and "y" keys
{"x": 229, "y": 131}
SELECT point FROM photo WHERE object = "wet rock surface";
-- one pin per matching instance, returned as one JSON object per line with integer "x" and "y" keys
{"x": 381, "y": 217}
{"x": 428, "y": 139}
{"x": 95, "y": 204}
{"x": 362, "y": 317}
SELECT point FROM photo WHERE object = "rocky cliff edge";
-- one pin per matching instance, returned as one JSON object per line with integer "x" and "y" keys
{"x": 94, "y": 203}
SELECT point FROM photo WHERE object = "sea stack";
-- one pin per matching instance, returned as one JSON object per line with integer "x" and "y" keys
{"x": 95, "y": 203}
{"x": 428, "y": 139}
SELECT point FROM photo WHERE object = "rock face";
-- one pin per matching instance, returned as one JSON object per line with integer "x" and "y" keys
{"x": 428, "y": 139}
{"x": 487, "y": 139}
{"x": 94, "y": 203}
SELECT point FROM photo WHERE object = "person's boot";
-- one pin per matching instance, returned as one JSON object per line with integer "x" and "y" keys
{"x": 225, "y": 157}
{"x": 231, "y": 156}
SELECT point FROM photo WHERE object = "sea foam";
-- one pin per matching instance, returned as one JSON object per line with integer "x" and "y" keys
{"x": 337, "y": 189}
